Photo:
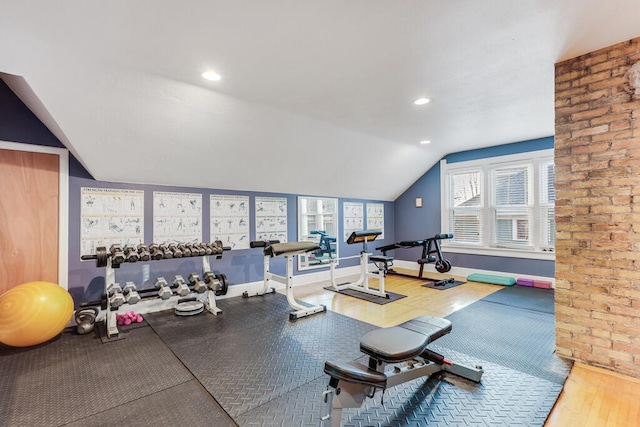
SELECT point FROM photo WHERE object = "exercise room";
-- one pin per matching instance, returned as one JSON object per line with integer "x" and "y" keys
{"x": 363, "y": 213}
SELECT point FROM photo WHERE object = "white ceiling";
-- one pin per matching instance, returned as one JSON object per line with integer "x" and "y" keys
{"x": 316, "y": 95}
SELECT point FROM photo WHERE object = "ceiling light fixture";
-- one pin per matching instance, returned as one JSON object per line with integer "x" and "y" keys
{"x": 421, "y": 101}
{"x": 425, "y": 142}
{"x": 211, "y": 75}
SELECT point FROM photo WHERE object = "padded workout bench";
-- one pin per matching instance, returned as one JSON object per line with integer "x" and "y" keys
{"x": 287, "y": 250}
{"x": 405, "y": 346}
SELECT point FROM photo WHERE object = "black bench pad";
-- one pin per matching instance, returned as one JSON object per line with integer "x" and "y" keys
{"x": 380, "y": 258}
{"x": 405, "y": 341}
{"x": 352, "y": 371}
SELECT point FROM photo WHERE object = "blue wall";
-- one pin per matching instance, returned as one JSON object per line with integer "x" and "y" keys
{"x": 403, "y": 221}
{"x": 418, "y": 223}
{"x": 86, "y": 282}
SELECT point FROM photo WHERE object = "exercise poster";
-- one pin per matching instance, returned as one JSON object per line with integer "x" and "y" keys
{"x": 230, "y": 220}
{"x": 271, "y": 218}
{"x": 353, "y": 218}
{"x": 108, "y": 216}
{"x": 375, "y": 217}
{"x": 177, "y": 217}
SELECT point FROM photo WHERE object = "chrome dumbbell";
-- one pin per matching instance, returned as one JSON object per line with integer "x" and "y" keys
{"x": 131, "y": 295}
{"x": 164, "y": 291}
{"x": 117, "y": 255}
{"x": 177, "y": 253}
{"x": 156, "y": 252}
{"x": 131, "y": 253}
{"x": 182, "y": 288}
{"x": 115, "y": 295}
{"x": 143, "y": 252}
{"x": 198, "y": 285}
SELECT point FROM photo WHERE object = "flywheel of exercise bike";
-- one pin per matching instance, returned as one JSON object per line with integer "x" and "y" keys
{"x": 443, "y": 265}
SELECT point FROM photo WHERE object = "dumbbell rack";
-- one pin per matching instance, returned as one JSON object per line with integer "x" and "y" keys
{"x": 111, "y": 324}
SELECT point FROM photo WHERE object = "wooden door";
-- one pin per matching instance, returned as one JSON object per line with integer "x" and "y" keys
{"x": 29, "y": 206}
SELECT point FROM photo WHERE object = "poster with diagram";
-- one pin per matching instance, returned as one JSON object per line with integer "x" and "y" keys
{"x": 375, "y": 217}
{"x": 353, "y": 218}
{"x": 230, "y": 220}
{"x": 108, "y": 216}
{"x": 271, "y": 218}
{"x": 177, "y": 217}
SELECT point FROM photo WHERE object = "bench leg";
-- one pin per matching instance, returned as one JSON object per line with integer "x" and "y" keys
{"x": 351, "y": 396}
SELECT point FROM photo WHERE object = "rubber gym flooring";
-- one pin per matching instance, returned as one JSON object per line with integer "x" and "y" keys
{"x": 250, "y": 366}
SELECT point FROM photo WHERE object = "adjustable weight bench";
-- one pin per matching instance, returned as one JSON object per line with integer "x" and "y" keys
{"x": 288, "y": 250}
{"x": 404, "y": 346}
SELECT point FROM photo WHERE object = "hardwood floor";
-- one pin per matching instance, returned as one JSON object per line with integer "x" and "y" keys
{"x": 591, "y": 396}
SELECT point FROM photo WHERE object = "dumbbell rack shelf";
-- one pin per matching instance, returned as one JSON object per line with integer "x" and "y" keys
{"x": 103, "y": 259}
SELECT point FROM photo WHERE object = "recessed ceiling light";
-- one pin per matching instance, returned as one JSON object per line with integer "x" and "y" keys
{"x": 425, "y": 142}
{"x": 211, "y": 75}
{"x": 421, "y": 101}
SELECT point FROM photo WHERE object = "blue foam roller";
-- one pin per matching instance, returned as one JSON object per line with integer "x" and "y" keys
{"x": 490, "y": 278}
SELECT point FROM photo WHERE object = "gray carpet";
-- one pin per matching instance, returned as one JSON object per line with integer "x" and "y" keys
{"x": 524, "y": 297}
{"x": 514, "y": 337}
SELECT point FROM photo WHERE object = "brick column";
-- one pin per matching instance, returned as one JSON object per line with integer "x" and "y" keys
{"x": 597, "y": 158}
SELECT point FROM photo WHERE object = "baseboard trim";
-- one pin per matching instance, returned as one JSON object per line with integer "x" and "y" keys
{"x": 462, "y": 271}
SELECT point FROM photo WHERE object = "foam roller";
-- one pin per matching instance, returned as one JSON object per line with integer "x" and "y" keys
{"x": 489, "y": 278}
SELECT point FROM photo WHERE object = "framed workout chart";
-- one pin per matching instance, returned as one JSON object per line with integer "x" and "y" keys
{"x": 108, "y": 216}
{"x": 352, "y": 218}
{"x": 177, "y": 217}
{"x": 271, "y": 218}
{"x": 375, "y": 217}
{"x": 230, "y": 220}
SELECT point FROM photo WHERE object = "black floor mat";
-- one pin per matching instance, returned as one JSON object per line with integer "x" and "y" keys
{"x": 505, "y": 398}
{"x": 368, "y": 297}
{"x": 529, "y": 298}
{"x": 517, "y": 338}
{"x": 77, "y": 376}
{"x": 252, "y": 366}
{"x": 186, "y": 404}
{"x": 263, "y": 357}
{"x": 442, "y": 284}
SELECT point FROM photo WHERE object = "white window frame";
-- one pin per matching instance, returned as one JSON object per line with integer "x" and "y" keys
{"x": 537, "y": 251}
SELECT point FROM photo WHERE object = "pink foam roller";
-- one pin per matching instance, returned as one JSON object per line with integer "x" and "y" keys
{"x": 542, "y": 284}
{"x": 139, "y": 319}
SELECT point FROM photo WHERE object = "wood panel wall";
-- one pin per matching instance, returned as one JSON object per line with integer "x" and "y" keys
{"x": 29, "y": 199}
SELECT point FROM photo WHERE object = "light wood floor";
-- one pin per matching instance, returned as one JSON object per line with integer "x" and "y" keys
{"x": 591, "y": 396}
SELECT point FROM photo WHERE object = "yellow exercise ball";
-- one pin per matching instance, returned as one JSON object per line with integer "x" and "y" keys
{"x": 33, "y": 313}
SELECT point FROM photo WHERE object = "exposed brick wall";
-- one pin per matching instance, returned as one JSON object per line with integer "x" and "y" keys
{"x": 597, "y": 157}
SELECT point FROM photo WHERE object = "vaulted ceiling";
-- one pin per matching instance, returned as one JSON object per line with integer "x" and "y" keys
{"x": 316, "y": 96}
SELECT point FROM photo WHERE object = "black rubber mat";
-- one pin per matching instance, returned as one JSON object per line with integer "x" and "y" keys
{"x": 368, "y": 297}
{"x": 186, "y": 404}
{"x": 75, "y": 377}
{"x": 504, "y": 397}
{"x": 519, "y": 339}
{"x": 250, "y": 365}
{"x": 525, "y": 297}
{"x": 263, "y": 357}
{"x": 441, "y": 284}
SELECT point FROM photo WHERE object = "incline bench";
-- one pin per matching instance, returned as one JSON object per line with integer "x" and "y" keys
{"x": 406, "y": 345}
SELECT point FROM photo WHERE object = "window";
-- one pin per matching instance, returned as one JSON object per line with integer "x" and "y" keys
{"x": 500, "y": 206}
